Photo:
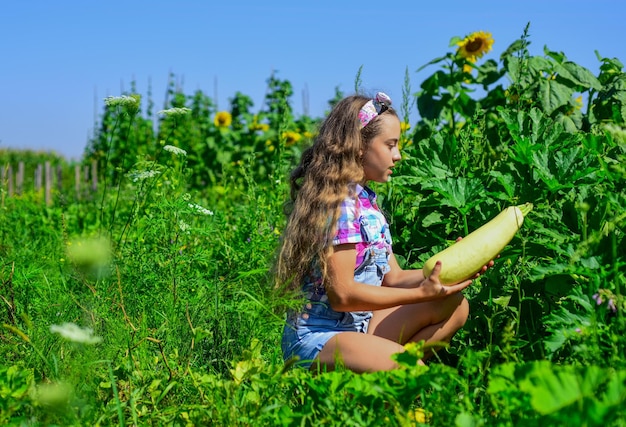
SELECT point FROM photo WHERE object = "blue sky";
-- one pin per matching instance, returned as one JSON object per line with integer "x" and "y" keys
{"x": 60, "y": 59}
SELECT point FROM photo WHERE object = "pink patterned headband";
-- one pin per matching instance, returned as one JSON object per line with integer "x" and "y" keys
{"x": 374, "y": 107}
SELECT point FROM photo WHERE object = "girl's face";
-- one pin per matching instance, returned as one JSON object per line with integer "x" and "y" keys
{"x": 383, "y": 152}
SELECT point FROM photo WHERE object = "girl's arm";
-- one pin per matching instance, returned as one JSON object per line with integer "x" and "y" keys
{"x": 345, "y": 294}
{"x": 399, "y": 278}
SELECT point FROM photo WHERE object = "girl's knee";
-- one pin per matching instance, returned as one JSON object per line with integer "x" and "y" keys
{"x": 453, "y": 310}
{"x": 456, "y": 310}
{"x": 461, "y": 311}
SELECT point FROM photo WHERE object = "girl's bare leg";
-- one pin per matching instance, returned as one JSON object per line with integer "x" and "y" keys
{"x": 430, "y": 321}
{"x": 358, "y": 352}
{"x": 389, "y": 330}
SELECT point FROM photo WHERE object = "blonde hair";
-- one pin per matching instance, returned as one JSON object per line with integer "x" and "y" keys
{"x": 327, "y": 173}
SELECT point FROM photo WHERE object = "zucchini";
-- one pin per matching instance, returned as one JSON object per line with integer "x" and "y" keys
{"x": 468, "y": 256}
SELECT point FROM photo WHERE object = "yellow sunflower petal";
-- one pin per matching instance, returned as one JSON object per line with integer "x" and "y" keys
{"x": 475, "y": 45}
{"x": 223, "y": 119}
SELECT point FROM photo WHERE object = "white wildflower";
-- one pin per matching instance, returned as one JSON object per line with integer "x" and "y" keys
{"x": 617, "y": 132}
{"x": 175, "y": 112}
{"x": 74, "y": 333}
{"x": 122, "y": 101}
{"x": 184, "y": 227}
{"x": 141, "y": 175}
{"x": 200, "y": 209}
{"x": 175, "y": 150}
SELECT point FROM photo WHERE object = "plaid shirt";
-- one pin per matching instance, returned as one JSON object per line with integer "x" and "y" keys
{"x": 361, "y": 222}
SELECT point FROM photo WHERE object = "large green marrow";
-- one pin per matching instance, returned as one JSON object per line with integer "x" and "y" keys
{"x": 467, "y": 257}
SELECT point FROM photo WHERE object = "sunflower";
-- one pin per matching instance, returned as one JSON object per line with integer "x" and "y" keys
{"x": 223, "y": 119}
{"x": 475, "y": 45}
{"x": 291, "y": 138}
{"x": 420, "y": 415}
{"x": 255, "y": 125}
{"x": 263, "y": 127}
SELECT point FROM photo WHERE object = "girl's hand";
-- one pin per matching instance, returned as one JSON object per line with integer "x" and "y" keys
{"x": 432, "y": 288}
{"x": 489, "y": 265}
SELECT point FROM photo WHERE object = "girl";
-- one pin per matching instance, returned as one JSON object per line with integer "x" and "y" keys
{"x": 360, "y": 306}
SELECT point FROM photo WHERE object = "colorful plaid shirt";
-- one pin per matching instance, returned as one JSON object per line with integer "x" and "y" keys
{"x": 361, "y": 222}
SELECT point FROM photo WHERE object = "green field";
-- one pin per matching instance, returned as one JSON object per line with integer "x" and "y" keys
{"x": 149, "y": 299}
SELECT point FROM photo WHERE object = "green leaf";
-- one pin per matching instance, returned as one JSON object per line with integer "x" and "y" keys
{"x": 539, "y": 272}
{"x": 615, "y": 393}
{"x": 559, "y": 57}
{"x": 553, "y": 95}
{"x": 432, "y": 84}
{"x": 513, "y": 66}
{"x": 465, "y": 419}
{"x": 502, "y": 378}
{"x": 539, "y": 65}
{"x": 502, "y": 301}
{"x": 578, "y": 75}
{"x": 165, "y": 391}
{"x": 551, "y": 391}
{"x": 434, "y": 61}
{"x": 454, "y": 41}
{"x": 555, "y": 389}
{"x": 430, "y": 108}
{"x": 461, "y": 193}
{"x": 514, "y": 47}
{"x": 414, "y": 352}
{"x": 566, "y": 322}
{"x": 507, "y": 182}
{"x": 488, "y": 73}
{"x": 569, "y": 123}
{"x": 571, "y": 166}
{"x": 542, "y": 170}
{"x": 432, "y": 218}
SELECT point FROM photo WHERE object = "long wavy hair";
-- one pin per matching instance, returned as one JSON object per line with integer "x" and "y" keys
{"x": 327, "y": 173}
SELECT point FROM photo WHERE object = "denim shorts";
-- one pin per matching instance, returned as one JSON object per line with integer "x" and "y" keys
{"x": 307, "y": 332}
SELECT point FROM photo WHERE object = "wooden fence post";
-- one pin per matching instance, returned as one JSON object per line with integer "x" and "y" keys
{"x": 9, "y": 175}
{"x": 38, "y": 177}
{"x": 48, "y": 184}
{"x": 3, "y": 179}
{"x": 2, "y": 186}
{"x": 19, "y": 184}
{"x": 77, "y": 181}
{"x": 47, "y": 178}
{"x": 94, "y": 176}
{"x": 60, "y": 178}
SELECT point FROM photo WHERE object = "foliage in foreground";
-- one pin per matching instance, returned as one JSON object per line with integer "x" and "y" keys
{"x": 513, "y": 394}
